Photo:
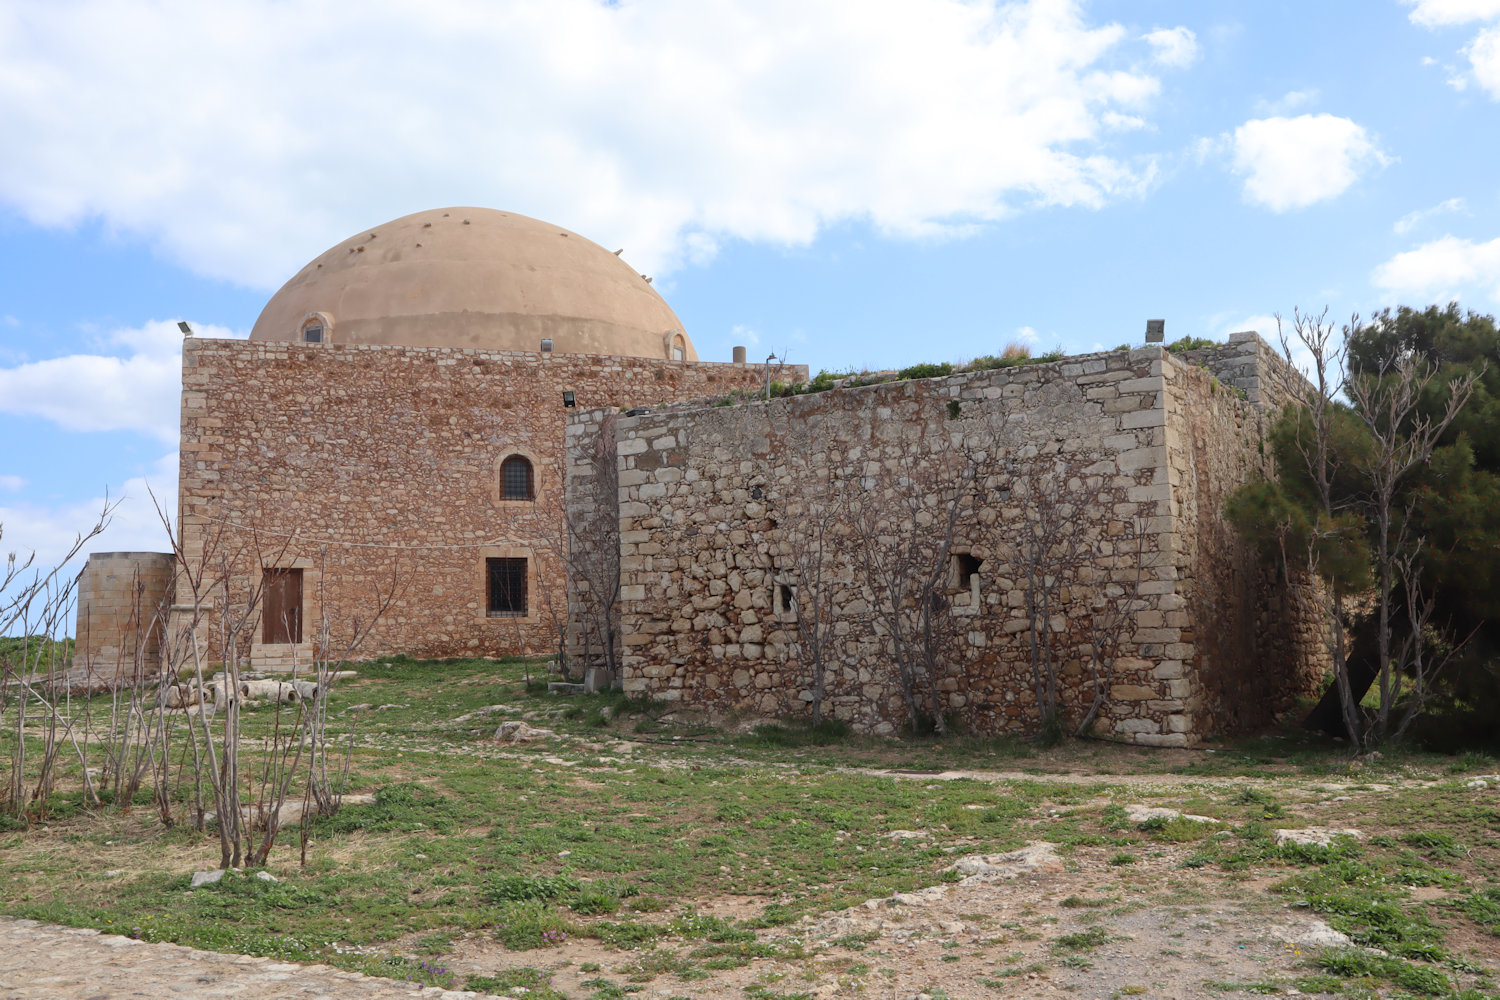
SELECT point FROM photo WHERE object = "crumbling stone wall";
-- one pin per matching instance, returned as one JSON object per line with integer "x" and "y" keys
{"x": 710, "y": 499}
{"x": 368, "y": 467}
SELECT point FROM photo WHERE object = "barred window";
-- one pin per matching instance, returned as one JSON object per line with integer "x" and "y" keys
{"x": 515, "y": 478}
{"x": 507, "y": 586}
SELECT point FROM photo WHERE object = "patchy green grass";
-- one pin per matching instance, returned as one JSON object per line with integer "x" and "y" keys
{"x": 621, "y": 830}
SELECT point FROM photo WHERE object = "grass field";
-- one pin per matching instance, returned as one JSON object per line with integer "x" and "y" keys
{"x": 658, "y": 850}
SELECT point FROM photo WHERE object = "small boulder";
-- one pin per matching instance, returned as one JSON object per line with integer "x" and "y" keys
{"x": 200, "y": 879}
{"x": 1035, "y": 858}
{"x": 521, "y": 732}
{"x": 1319, "y": 836}
{"x": 1139, "y": 814}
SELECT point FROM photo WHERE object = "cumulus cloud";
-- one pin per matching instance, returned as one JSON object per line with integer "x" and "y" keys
{"x": 134, "y": 388}
{"x": 1441, "y": 13}
{"x": 12, "y": 484}
{"x": 1412, "y": 220}
{"x": 1442, "y": 270}
{"x": 47, "y": 532}
{"x": 1483, "y": 50}
{"x": 663, "y": 127}
{"x": 1175, "y": 47}
{"x": 1291, "y": 163}
{"x": 1484, "y": 57}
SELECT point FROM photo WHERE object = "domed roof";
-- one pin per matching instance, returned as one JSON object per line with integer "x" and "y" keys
{"x": 475, "y": 277}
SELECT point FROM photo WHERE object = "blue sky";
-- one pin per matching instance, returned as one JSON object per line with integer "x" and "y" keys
{"x": 844, "y": 182}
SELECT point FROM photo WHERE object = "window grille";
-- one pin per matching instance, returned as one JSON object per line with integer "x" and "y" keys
{"x": 507, "y": 586}
{"x": 515, "y": 478}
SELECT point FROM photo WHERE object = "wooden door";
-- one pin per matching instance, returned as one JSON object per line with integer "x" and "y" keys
{"x": 282, "y": 600}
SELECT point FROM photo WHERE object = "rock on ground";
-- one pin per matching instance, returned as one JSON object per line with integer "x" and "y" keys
{"x": 1319, "y": 836}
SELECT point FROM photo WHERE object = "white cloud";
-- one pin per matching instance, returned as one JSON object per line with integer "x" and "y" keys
{"x": 1483, "y": 51}
{"x": 1440, "y": 13}
{"x": 1412, "y": 220}
{"x": 742, "y": 334}
{"x": 243, "y": 137}
{"x": 12, "y": 484}
{"x": 139, "y": 391}
{"x": 1292, "y": 163}
{"x": 1174, "y": 47}
{"x": 1441, "y": 270}
{"x": 1484, "y": 56}
{"x": 1027, "y": 335}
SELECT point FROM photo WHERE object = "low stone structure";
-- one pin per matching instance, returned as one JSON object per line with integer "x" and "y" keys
{"x": 122, "y": 605}
{"x": 1131, "y": 453}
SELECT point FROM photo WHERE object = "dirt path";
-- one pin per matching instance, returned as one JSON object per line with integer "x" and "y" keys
{"x": 42, "y": 962}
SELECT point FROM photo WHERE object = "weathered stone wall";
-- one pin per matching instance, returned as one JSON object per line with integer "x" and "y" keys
{"x": 369, "y": 467}
{"x": 1255, "y": 643}
{"x": 706, "y": 497}
{"x": 1252, "y": 366}
{"x": 122, "y": 602}
{"x": 1133, "y": 452}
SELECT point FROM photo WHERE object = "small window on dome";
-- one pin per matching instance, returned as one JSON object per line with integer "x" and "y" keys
{"x": 679, "y": 349}
{"x": 312, "y": 333}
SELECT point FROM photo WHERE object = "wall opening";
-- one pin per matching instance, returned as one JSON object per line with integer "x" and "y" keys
{"x": 786, "y": 598}
{"x": 281, "y": 599}
{"x": 516, "y": 479}
{"x": 507, "y": 586}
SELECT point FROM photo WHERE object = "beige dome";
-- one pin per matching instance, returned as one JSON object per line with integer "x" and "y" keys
{"x": 475, "y": 277}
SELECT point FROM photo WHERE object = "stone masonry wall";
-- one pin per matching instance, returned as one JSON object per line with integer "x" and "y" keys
{"x": 122, "y": 601}
{"x": 369, "y": 467}
{"x": 1256, "y": 643}
{"x": 707, "y": 497}
{"x": 714, "y": 507}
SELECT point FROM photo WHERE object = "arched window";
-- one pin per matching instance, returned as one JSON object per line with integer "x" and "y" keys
{"x": 679, "y": 349}
{"x": 515, "y": 478}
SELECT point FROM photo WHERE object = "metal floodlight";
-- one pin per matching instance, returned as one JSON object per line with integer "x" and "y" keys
{"x": 568, "y": 398}
{"x": 187, "y": 331}
{"x": 1156, "y": 331}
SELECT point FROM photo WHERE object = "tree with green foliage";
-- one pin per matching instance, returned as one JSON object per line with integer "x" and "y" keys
{"x": 1361, "y": 456}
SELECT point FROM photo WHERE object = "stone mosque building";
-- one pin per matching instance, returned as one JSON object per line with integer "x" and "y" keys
{"x": 445, "y": 414}
{"x": 396, "y": 420}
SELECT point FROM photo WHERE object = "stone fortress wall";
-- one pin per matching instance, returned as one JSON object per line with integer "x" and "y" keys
{"x": 122, "y": 605}
{"x": 713, "y": 510}
{"x": 368, "y": 467}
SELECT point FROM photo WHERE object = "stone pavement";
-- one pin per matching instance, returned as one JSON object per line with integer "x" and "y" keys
{"x": 43, "y": 962}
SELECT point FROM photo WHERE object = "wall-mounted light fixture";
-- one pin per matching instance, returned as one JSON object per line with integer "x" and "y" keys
{"x": 568, "y": 398}
{"x": 187, "y": 331}
{"x": 1156, "y": 331}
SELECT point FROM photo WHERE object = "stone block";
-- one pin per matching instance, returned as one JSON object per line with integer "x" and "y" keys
{"x": 1131, "y": 692}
